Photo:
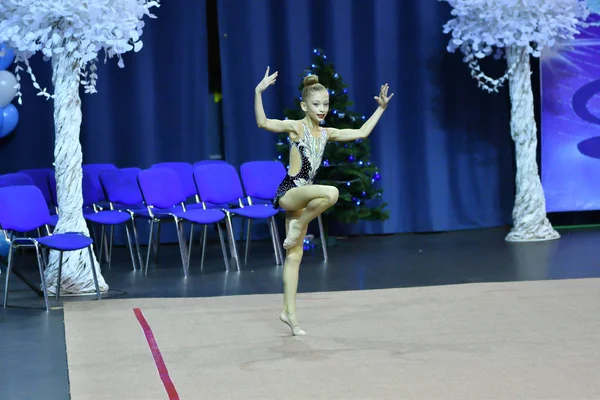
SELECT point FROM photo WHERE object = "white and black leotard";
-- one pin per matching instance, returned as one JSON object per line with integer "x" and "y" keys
{"x": 311, "y": 151}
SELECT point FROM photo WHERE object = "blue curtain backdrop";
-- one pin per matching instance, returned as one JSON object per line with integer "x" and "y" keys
{"x": 443, "y": 146}
{"x": 155, "y": 109}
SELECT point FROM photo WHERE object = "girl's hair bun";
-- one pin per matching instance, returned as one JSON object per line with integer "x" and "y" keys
{"x": 310, "y": 80}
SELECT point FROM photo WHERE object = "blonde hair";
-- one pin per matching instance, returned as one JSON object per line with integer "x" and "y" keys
{"x": 311, "y": 85}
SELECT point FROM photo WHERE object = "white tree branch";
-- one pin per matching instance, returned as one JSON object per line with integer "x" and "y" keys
{"x": 71, "y": 34}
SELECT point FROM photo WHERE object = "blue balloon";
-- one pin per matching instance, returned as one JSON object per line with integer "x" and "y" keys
{"x": 7, "y": 59}
{"x": 594, "y": 6}
{"x": 10, "y": 115}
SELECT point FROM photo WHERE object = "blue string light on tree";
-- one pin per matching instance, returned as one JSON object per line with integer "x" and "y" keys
{"x": 376, "y": 177}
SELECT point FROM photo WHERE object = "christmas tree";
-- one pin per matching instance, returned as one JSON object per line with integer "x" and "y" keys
{"x": 347, "y": 165}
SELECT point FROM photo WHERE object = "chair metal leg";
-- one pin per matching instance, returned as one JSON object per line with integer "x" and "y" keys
{"x": 8, "y": 269}
{"x": 42, "y": 277}
{"x": 105, "y": 243}
{"x": 204, "y": 234}
{"x": 94, "y": 234}
{"x": 323, "y": 239}
{"x": 223, "y": 247}
{"x": 130, "y": 245}
{"x": 189, "y": 254}
{"x": 278, "y": 242}
{"x": 274, "y": 240}
{"x": 59, "y": 279}
{"x": 149, "y": 246}
{"x": 182, "y": 245}
{"x": 110, "y": 246}
{"x": 101, "y": 246}
{"x": 136, "y": 238}
{"x": 232, "y": 244}
{"x": 91, "y": 253}
{"x": 157, "y": 242}
{"x": 248, "y": 233}
{"x": 45, "y": 258}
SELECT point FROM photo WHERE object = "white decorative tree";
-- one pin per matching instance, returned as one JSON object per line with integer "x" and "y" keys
{"x": 516, "y": 30}
{"x": 71, "y": 34}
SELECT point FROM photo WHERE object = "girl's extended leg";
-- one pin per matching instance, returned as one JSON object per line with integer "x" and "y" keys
{"x": 314, "y": 199}
{"x": 291, "y": 269}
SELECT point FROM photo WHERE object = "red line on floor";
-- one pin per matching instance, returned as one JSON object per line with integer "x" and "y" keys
{"x": 158, "y": 360}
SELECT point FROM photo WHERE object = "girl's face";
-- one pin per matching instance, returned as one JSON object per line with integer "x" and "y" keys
{"x": 317, "y": 106}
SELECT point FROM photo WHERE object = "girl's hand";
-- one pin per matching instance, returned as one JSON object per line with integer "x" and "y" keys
{"x": 267, "y": 81}
{"x": 383, "y": 99}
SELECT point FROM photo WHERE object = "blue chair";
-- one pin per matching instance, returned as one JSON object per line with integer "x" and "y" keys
{"x": 208, "y": 204}
{"x": 23, "y": 209}
{"x": 91, "y": 174}
{"x": 261, "y": 180}
{"x": 104, "y": 217}
{"x": 219, "y": 183}
{"x": 23, "y": 179}
{"x": 165, "y": 199}
{"x": 184, "y": 171}
{"x": 123, "y": 193}
{"x": 92, "y": 171}
{"x": 40, "y": 178}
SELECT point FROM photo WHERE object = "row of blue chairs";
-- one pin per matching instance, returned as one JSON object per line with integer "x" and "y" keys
{"x": 205, "y": 193}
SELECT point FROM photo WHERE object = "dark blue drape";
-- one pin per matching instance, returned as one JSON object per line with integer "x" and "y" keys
{"x": 443, "y": 145}
{"x": 155, "y": 109}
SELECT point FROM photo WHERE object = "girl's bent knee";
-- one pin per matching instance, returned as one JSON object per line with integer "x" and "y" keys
{"x": 332, "y": 194}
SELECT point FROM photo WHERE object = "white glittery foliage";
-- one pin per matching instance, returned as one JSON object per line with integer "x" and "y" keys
{"x": 79, "y": 27}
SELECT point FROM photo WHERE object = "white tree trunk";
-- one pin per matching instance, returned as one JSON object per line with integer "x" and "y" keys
{"x": 530, "y": 222}
{"x": 77, "y": 277}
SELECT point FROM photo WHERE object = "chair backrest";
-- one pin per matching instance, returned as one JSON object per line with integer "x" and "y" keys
{"x": 161, "y": 187}
{"x": 92, "y": 171}
{"x": 40, "y": 179}
{"x": 16, "y": 179}
{"x": 218, "y": 183}
{"x": 121, "y": 186}
{"x": 262, "y": 178}
{"x": 185, "y": 172}
{"x": 91, "y": 193}
{"x": 206, "y": 162}
{"x": 22, "y": 208}
{"x": 92, "y": 190}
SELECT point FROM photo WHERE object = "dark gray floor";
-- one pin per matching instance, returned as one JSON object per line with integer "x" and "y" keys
{"x": 33, "y": 361}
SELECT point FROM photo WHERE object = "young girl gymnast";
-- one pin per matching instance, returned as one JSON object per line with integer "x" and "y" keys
{"x": 303, "y": 200}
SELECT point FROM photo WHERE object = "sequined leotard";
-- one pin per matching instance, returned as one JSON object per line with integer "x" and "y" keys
{"x": 311, "y": 151}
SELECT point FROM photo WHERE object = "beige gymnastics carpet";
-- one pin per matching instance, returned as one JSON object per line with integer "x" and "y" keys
{"x": 527, "y": 340}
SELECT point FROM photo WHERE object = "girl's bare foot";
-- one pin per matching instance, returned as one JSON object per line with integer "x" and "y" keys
{"x": 292, "y": 323}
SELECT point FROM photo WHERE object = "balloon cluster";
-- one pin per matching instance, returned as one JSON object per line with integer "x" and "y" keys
{"x": 9, "y": 115}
